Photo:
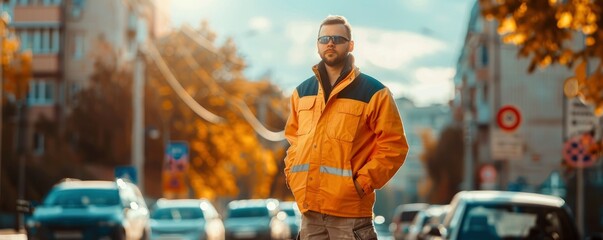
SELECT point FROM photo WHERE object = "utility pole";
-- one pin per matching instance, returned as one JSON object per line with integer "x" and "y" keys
{"x": 2, "y": 31}
{"x": 138, "y": 132}
{"x": 21, "y": 111}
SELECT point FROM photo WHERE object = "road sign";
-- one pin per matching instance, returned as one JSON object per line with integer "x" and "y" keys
{"x": 579, "y": 118}
{"x": 174, "y": 182}
{"x": 506, "y": 145}
{"x": 126, "y": 172}
{"x": 487, "y": 173}
{"x": 175, "y": 169}
{"x": 508, "y": 118}
{"x": 580, "y": 151}
{"x": 177, "y": 156}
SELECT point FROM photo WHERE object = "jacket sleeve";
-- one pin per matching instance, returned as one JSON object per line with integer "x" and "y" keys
{"x": 291, "y": 134}
{"x": 391, "y": 146}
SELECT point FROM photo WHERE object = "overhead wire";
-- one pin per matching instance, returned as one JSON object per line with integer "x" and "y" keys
{"x": 241, "y": 106}
{"x": 202, "y": 112}
{"x": 151, "y": 51}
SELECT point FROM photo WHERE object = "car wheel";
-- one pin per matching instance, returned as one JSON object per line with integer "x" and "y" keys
{"x": 120, "y": 234}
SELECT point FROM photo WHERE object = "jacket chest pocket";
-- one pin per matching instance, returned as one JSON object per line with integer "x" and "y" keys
{"x": 305, "y": 114}
{"x": 343, "y": 124}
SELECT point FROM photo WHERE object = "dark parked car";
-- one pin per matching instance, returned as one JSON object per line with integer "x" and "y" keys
{"x": 185, "y": 219}
{"x": 382, "y": 228}
{"x": 506, "y": 215}
{"x": 256, "y": 219}
{"x": 75, "y": 209}
{"x": 433, "y": 215}
{"x": 402, "y": 218}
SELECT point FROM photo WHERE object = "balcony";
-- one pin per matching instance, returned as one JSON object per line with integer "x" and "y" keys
{"x": 45, "y": 63}
{"x": 35, "y": 14}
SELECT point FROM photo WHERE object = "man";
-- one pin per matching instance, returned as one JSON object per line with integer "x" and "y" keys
{"x": 346, "y": 139}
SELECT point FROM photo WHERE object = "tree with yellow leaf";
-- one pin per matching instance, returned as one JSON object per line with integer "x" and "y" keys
{"x": 16, "y": 66}
{"x": 227, "y": 158}
{"x": 547, "y": 32}
{"x": 443, "y": 163}
{"x": 15, "y": 74}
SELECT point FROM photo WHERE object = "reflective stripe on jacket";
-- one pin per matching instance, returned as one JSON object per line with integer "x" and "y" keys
{"x": 356, "y": 135}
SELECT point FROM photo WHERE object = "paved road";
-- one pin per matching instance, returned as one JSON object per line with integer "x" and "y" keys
{"x": 10, "y": 234}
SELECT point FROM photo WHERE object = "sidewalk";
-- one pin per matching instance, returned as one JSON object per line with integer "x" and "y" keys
{"x": 10, "y": 234}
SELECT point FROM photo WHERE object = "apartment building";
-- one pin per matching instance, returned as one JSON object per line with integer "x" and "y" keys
{"x": 524, "y": 150}
{"x": 67, "y": 37}
{"x": 490, "y": 78}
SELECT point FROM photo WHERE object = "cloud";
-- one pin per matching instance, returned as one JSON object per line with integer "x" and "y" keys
{"x": 387, "y": 49}
{"x": 432, "y": 85}
{"x": 422, "y": 5}
{"x": 436, "y": 75}
{"x": 392, "y": 49}
{"x": 187, "y": 10}
{"x": 302, "y": 46}
{"x": 388, "y": 55}
{"x": 260, "y": 24}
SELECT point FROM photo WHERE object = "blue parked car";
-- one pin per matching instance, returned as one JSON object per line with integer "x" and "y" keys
{"x": 77, "y": 209}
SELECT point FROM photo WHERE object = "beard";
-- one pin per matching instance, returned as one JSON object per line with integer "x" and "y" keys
{"x": 334, "y": 62}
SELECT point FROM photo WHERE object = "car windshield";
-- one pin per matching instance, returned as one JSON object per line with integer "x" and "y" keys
{"x": 512, "y": 221}
{"x": 408, "y": 216}
{"x": 290, "y": 212}
{"x": 180, "y": 213}
{"x": 83, "y": 198}
{"x": 248, "y": 212}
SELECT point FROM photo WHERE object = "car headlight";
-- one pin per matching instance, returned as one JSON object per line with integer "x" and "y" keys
{"x": 33, "y": 224}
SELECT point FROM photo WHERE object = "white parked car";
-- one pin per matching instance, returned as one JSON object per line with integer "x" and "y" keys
{"x": 186, "y": 219}
{"x": 506, "y": 215}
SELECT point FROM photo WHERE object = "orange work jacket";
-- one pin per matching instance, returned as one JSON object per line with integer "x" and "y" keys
{"x": 355, "y": 135}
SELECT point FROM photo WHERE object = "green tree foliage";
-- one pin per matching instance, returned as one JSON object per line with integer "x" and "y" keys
{"x": 554, "y": 31}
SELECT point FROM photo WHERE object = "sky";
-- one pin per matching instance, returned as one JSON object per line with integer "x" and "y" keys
{"x": 411, "y": 46}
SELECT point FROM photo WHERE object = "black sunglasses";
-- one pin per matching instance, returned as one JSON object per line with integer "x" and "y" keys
{"x": 336, "y": 39}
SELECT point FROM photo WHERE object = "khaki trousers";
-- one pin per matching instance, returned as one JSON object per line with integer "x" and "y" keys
{"x": 322, "y": 226}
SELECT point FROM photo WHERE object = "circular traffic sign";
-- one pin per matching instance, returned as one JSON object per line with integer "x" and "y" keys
{"x": 579, "y": 151}
{"x": 508, "y": 118}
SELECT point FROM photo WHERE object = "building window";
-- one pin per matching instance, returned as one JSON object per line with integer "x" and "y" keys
{"x": 484, "y": 55}
{"x": 38, "y": 143}
{"x": 78, "y": 45}
{"x": 41, "y": 92}
{"x": 40, "y": 40}
{"x": 74, "y": 89}
{"x": 52, "y": 2}
{"x": 38, "y": 2}
{"x": 46, "y": 41}
{"x": 56, "y": 40}
{"x": 75, "y": 8}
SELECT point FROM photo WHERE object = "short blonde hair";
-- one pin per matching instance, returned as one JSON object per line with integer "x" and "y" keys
{"x": 336, "y": 19}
